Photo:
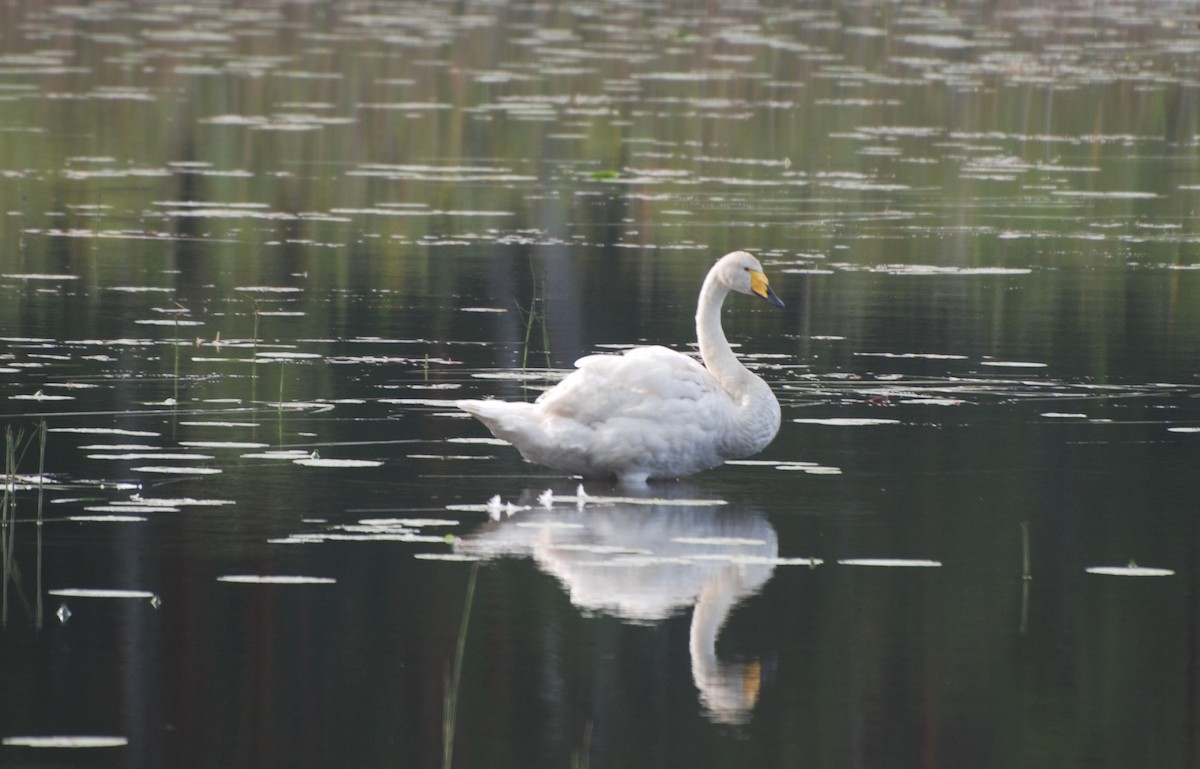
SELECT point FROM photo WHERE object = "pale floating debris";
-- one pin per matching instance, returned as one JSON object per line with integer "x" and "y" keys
{"x": 1132, "y": 570}
{"x": 1063, "y": 415}
{"x": 468, "y": 508}
{"x": 175, "y": 502}
{"x": 436, "y": 386}
{"x": 1112, "y": 195}
{"x": 107, "y": 518}
{"x": 819, "y": 470}
{"x": 647, "y": 501}
{"x": 1183, "y": 429}
{"x": 519, "y": 376}
{"x": 118, "y": 447}
{"x": 151, "y": 455}
{"x": 289, "y": 355}
{"x": 446, "y": 557}
{"x": 224, "y": 444}
{"x": 847, "y": 421}
{"x": 269, "y": 289}
{"x": 440, "y": 402}
{"x": 168, "y": 322}
{"x": 413, "y": 522}
{"x": 943, "y": 42}
{"x": 204, "y": 204}
{"x": 444, "y": 457}
{"x": 1013, "y": 364}
{"x": 275, "y": 579}
{"x": 930, "y": 269}
{"x": 417, "y": 212}
{"x": 311, "y": 461}
{"x": 165, "y": 470}
{"x": 38, "y": 276}
{"x": 482, "y": 309}
{"x": 87, "y": 592}
{"x": 41, "y": 396}
{"x": 131, "y": 507}
{"x": 288, "y": 454}
{"x": 60, "y": 741}
{"x": 407, "y": 106}
{"x": 769, "y": 462}
{"x": 754, "y": 560}
{"x": 921, "y": 401}
{"x": 220, "y": 424}
{"x": 865, "y": 186}
{"x": 106, "y": 431}
{"x": 920, "y": 563}
{"x": 906, "y": 355}
{"x": 234, "y": 213}
{"x": 546, "y": 499}
{"x": 806, "y": 467}
{"x": 63, "y": 614}
{"x": 367, "y": 535}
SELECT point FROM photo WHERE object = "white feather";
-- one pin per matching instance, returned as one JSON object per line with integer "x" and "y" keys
{"x": 650, "y": 412}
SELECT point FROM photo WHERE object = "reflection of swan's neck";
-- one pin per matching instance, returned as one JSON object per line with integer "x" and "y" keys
{"x": 714, "y": 348}
{"x": 729, "y": 691}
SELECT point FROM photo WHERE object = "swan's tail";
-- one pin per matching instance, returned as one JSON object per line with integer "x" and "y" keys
{"x": 504, "y": 418}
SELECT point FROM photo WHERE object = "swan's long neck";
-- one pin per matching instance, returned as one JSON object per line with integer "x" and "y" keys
{"x": 714, "y": 348}
{"x": 757, "y": 419}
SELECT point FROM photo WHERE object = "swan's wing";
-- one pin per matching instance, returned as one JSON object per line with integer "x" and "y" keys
{"x": 654, "y": 383}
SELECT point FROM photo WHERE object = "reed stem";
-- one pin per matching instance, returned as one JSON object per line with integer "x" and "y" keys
{"x": 454, "y": 677}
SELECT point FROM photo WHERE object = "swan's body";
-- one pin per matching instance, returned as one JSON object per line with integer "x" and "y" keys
{"x": 651, "y": 412}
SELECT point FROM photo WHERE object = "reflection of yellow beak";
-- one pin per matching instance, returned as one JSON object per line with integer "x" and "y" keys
{"x": 751, "y": 682}
{"x": 762, "y": 287}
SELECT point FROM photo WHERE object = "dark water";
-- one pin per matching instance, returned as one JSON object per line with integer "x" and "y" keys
{"x": 251, "y": 253}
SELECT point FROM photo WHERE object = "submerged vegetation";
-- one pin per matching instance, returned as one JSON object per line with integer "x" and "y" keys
{"x": 17, "y": 445}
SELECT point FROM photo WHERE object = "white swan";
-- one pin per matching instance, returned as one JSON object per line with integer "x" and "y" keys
{"x": 650, "y": 412}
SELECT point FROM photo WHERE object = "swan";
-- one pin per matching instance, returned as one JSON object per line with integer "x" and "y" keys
{"x": 650, "y": 412}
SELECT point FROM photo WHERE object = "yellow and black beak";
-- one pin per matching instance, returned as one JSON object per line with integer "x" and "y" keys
{"x": 760, "y": 286}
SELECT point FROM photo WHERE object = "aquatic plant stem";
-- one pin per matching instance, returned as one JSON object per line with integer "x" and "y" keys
{"x": 254, "y": 356}
{"x": 1026, "y": 577}
{"x": 7, "y": 520}
{"x": 37, "y": 617}
{"x": 1026, "y": 574}
{"x": 532, "y": 316}
{"x": 454, "y": 676}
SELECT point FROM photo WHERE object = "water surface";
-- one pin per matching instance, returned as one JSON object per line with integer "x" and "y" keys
{"x": 250, "y": 255}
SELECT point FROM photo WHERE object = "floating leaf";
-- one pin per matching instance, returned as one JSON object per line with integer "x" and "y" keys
{"x": 892, "y": 562}
{"x": 330, "y": 462}
{"x": 1132, "y": 570}
{"x": 847, "y": 422}
{"x": 86, "y": 592}
{"x": 66, "y": 741}
{"x": 275, "y": 579}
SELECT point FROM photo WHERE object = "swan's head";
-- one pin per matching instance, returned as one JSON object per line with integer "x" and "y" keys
{"x": 741, "y": 272}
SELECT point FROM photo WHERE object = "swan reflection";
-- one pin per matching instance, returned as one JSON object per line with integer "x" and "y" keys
{"x": 643, "y": 560}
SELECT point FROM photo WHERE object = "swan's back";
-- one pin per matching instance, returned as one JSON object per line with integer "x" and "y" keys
{"x": 648, "y": 413}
